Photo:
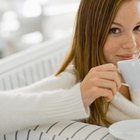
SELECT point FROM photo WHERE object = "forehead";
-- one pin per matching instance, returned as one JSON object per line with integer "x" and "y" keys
{"x": 129, "y": 10}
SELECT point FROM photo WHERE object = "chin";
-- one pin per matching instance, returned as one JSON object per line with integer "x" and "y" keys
{"x": 115, "y": 62}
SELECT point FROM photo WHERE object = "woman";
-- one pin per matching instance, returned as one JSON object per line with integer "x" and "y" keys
{"x": 104, "y": 34}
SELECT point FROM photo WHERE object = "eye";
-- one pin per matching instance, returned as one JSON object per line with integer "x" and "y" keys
{"x": 114, "y": 30}
{"x": 137, "y": 28}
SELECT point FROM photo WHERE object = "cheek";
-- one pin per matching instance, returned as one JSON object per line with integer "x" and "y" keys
{"x": 107, "y": 52}
{"x": 111, "y": 48}
{"x": 138, "y": 43}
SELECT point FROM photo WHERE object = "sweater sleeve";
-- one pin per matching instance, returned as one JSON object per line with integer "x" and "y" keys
{"x": 121, "y": 109}
{"x": 135, "y": 97}
{"x": 60, "y": 99}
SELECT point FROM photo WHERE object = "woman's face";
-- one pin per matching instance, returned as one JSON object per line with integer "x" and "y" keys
{"x": 123, "y": 41}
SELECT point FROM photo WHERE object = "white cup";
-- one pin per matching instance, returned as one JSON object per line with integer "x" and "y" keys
{"x": 130, "y": 71}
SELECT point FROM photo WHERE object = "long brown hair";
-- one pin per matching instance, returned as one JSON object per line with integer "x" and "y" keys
{"x": 94, "y": 19}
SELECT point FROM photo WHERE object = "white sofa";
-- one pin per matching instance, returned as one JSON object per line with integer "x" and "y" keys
{"x": 32, "y": 65}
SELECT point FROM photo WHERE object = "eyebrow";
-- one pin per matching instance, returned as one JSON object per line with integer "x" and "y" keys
{"x": 138, "y": 23}
{"x": 116, "y": 23}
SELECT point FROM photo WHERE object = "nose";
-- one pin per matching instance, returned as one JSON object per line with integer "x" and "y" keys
{"x": 130, "y": 42}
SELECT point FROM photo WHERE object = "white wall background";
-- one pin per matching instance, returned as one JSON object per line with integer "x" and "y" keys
{"x": 25, "y": 23}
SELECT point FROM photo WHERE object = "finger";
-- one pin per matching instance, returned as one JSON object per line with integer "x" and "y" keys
{"x": 107, "y": 84}
{"x": 105, "y": 67}
{"x": 112, "y": 76}
{"x": 103, "y": 92}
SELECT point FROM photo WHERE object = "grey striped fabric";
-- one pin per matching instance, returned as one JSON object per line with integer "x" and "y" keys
{"x": 69, "y": 130}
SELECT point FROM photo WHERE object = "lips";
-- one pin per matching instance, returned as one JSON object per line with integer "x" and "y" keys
{"x": 128, "y": 56}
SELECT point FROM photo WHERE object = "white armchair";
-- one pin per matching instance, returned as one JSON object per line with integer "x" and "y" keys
{"x": 32, "y": 65}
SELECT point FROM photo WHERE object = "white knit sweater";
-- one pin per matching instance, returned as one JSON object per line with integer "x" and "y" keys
{"x": 52, "y": 99}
